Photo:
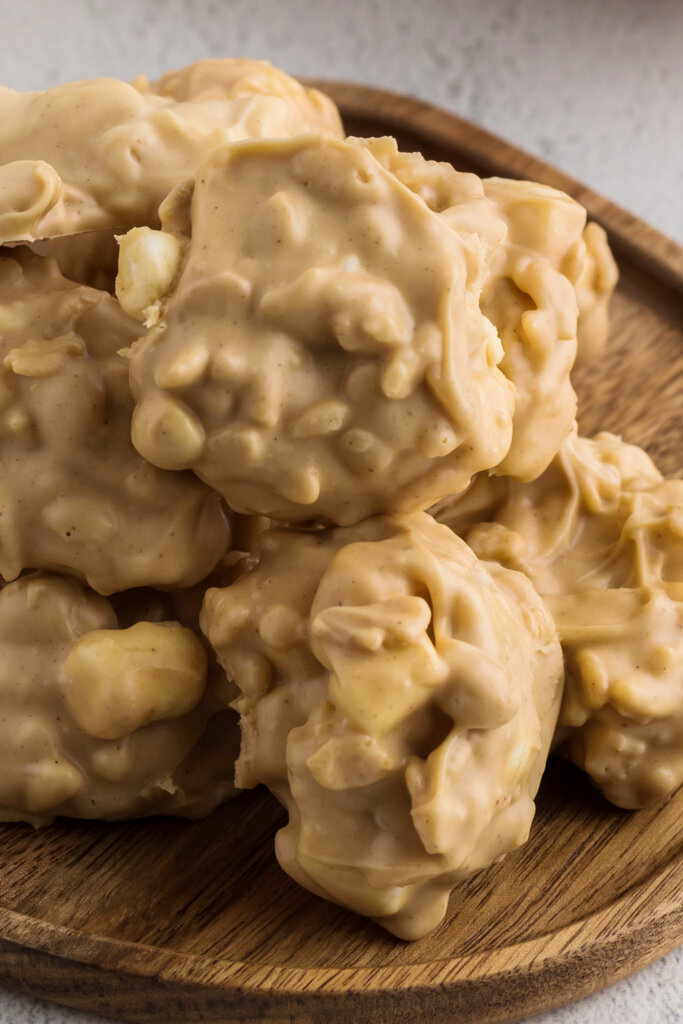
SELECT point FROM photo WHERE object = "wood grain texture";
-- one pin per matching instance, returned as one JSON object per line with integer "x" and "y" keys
{"x": 168, "y": 921}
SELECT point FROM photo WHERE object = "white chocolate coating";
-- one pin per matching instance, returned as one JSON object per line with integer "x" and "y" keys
{"x": 601, "y": 536}
{"x": 76, "y": 496}
{"x": 399, "y": 697}
{"x": 321, "y": 353}
{"x": 99, "y": 721}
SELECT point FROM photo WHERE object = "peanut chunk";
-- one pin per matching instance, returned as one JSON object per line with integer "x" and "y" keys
{"x": 149, "y": 264}
{"x": 115, "y": 687}
{"x": 109, "y": 709}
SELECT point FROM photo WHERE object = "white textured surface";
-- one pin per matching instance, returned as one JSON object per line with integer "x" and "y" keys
{"x": 593, "y": 86}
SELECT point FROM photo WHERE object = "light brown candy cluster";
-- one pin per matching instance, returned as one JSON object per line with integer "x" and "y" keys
{"x": 399, "y": 696}
{"x": 600, "y": 533}
{"x": 76, "y": 496}
{"x": 106, "y": 713}
{"x": 334, "y": 335}
{"x": 343, "y": 379}
{"x": 99, "y": 721}
{"x": 241, "y": 79}
{"x": 544, "y": 282}
{"x": 104, "y": 154}
{"x": 300, "y": 363}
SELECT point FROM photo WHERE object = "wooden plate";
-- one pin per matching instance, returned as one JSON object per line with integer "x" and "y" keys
{"x": 169, "y": 921}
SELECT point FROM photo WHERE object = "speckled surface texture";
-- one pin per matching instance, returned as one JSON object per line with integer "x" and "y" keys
{"x": 593, "y": 86}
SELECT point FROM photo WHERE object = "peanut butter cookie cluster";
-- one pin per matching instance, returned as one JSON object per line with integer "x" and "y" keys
{"x": 292, "y": 492}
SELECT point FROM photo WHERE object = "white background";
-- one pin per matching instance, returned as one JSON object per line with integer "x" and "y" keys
{"x": 593, "y": 86}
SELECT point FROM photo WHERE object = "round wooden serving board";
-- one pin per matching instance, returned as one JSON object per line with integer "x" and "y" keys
{"x": 169, "y": 921}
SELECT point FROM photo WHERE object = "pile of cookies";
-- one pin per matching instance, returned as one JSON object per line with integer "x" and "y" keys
{"x": 292, "y": 491}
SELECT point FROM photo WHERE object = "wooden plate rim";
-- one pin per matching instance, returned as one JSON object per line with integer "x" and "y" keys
{"x": 542, "y": 952}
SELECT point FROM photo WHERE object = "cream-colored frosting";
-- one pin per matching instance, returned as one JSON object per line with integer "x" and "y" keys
{"x": 75, "y": 495}
{"x": 527, "y": 249}
{"x": 594, "y": 290}
{"x": 301, "y": 363}
{"x": 601, "y": 536}
{"x": 104, "y": 154}
{"x": 99, "y": 721}
{"x": 399, "y": 697}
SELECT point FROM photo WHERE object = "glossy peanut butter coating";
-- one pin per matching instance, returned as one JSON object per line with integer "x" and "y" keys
{"x": 103, "y": 154}
{"x": 399, "y": 697}
{"x": 601, "y": 536}
{"x": 594, "y": 290}
{"x": 239, "y": 79}
{"x": 316, "y": 346}
{"x": 537, "y": 270}
{"x": 75, "y": 495}
{"x": 529, "y": 296}
{"x": 99, "y": 721}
